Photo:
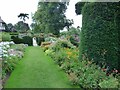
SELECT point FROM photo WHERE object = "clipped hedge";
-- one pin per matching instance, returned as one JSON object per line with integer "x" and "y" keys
{"x": 24, "y": 40}
{"x": 28, "y": 40}
{"x": 5, "y": 36}
{"x": 99, "y": 34}
{"x": 16, "y": 39}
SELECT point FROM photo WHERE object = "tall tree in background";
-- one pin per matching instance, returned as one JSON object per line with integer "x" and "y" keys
{"x": 23, "y": 16}
{"x": 21, "y": 26}
{"x": 50, "y": 17}
{"x": 100, "y": 32}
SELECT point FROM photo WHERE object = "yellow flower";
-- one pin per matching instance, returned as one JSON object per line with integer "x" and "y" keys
{"x": 69, "y": 53}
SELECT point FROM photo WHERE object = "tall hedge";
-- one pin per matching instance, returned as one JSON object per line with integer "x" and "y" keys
{"x": 100, "y": 33}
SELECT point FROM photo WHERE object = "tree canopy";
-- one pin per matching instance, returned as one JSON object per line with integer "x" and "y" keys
{"x": 50, "y": 17}
{"x": 23, "y": 16}
{"x": 21, "y": 26}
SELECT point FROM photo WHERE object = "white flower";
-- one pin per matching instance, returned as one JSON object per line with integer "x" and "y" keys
{"x": 11, "y": 42}
{"x": 12, "y": 54}
{"x": 5, "y": 55}
{"x": 4, "y": 51}
{"x": 8, "y": 46}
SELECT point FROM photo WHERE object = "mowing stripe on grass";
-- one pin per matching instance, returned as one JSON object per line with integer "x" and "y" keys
{"x": 36, "y": 70}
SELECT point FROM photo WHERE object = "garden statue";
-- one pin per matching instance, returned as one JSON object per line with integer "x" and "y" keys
{"x": 34, "y": 41}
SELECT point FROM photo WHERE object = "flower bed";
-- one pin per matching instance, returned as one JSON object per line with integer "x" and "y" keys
{"x": 85, "y": 73}
{"x": 10, "y": 54}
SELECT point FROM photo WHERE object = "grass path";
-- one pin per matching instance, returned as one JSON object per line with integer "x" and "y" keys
{"x": 36, "y": 70}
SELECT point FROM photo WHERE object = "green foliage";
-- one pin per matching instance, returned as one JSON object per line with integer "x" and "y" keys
{"x": 15, "y": 53}
{"x": 50, "y": 39}
{"x": 16, "y": 39}
{"x": 9, "y": 26}
{"x": 72, "y": 35}
{"x": 59, "y": 57}
{"x": 24, "y": 40}
{"x": 50, "y": 17}
{"x": 8, "y": 65}
{"x": 40, "y": 39}
{"x": 99, "y": 35}
{"x": 21, "y": 26}
{"x": 84, "y": 73}
{"x": 6, "y": 36}
{"x": 89, "y": 74}
{"x": 78, "y": 7}
{"x": 28, "y": 40}
{"x": 111, "y": 83}
{"x": 61, "y": 44}
{"x": 18, "y": 47}
{"x": 48, "y": 51}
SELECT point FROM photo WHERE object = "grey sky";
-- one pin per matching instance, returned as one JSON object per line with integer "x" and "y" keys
{"x": 10, "y": 9}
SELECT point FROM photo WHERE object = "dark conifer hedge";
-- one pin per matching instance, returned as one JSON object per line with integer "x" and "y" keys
{"x": 100, "y": 33}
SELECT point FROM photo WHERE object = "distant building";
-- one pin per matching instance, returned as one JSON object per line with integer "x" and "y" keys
{"x": 2, "y": 25}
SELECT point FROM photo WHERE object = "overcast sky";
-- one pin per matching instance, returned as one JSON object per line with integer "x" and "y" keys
{"x": 10, "y": 9}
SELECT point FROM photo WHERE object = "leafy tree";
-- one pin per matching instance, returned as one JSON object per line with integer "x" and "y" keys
{"x": 50, "y": 17}
{"x": 68, "y": 23}
{"x": 10, "y": 26}
{"x": 23, "y": 16}
{"x": 35, "y": 28}
{"x": 21, "y": 26}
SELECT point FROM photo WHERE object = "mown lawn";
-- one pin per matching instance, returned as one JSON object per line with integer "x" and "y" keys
{"x": 36, "y": 70}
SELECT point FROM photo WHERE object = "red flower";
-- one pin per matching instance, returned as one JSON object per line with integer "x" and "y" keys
{"x": 115, "y": 71}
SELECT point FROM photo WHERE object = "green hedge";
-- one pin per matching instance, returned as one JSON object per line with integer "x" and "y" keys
{"x": 5, "y": 36}
{"x": 28, "y": 40}
{"x": 39, "y": 40}
{"x": 16, "y": 39}
{"x": 25, "y": 40}
{"x": 99, "y": 34}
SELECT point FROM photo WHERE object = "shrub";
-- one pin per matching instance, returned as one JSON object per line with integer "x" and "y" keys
{"x": 50, "y": 39}
{"x": 16, "y": 39}
{"x": 59, "y": 57}
{"x": 74, "y": 40}
{"x": 84, "y": 73}
{"x": 110, "y": 83}
{"x": 6, "y": 37}
{"x": 28, "y": 40}
{"x": 61, "y": 44}
{"x": 19, "y": 47}
{"x": 89, "y": 74}
{"x": 48, "y": 51}
{"x": 24, "y": 40}
{"x": 8, "y": 65}
{"x": 10, "y": 59}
